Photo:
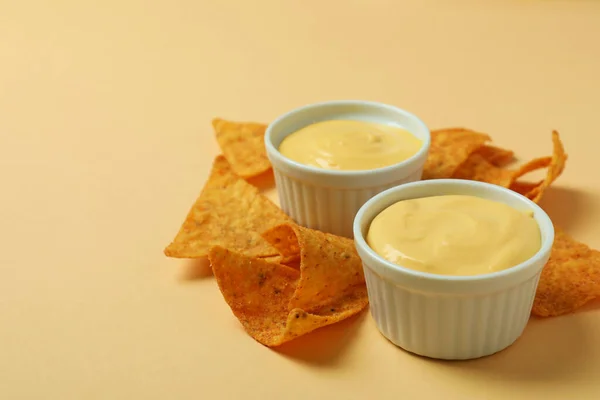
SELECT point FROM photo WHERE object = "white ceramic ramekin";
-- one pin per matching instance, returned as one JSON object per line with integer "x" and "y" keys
{"x": 328, "y": 200}
{"x": 450, "y": 317}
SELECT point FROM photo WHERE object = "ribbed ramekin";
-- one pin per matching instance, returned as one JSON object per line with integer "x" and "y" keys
{"x": 328, "y": 200}
{"x": 450, "y": 317}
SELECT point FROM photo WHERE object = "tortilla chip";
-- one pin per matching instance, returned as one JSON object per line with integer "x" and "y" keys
{"x": 289, "y": 261}
{"x": 229, "y": 212}
{"x": 478, "y": 168}
{"x": 284, "y": 239}
{"x": 557, "y": 166}
{"x": 260, "y": 295}
{"x": 242, "y": 144}
{"x": 496, "y": 156}
{"x": 329, "y": 264}
{"x": 449, "y": 149}
{"x": 570, "y": 279}
{"x": 524, "y": 187}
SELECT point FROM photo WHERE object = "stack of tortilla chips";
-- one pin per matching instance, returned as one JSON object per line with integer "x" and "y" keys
{"x": 282, "y": 280}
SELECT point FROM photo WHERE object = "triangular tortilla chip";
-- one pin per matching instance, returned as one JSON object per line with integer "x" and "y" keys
{"x": 570, "y": 279}
{"x": 449, "y": 149}
{"x": 229, "y": 212}
{"x": 242, "y": 144}
{"x": 260, "y": 295}
{"x": 477, "y": 168}
{"x": 329, "y": 264}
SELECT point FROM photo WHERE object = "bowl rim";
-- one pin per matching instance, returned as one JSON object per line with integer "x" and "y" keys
{"x": 541, "y": 217}
{"x": 307, "y": 169}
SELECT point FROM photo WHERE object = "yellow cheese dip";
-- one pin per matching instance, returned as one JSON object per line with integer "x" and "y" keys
{"x": 454, "y": 235}
{"x": 350, "y": 145}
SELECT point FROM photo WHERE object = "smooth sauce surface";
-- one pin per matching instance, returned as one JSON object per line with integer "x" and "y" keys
{"x": 350, "y": 145}
{"x": 454, "y": 235}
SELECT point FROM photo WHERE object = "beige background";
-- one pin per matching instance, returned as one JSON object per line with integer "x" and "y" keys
{"x": 105, "y": 141}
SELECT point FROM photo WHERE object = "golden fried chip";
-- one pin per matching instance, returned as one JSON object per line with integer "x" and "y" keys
{"x": 259, "y": 293}
{"x": 524, "y": 187}
{"x": 570, "y": 279}
{"x": 287, "y": 246}
{"x": 284, "y": 239}
{"x": 449, "y": 149}
{"x": 478, "y": 168}
{"x": 289, "y": 261}
{"x": 229, "y": 212}
{"x": 557, "y": 166}
{"x": 496, "y": 155}
{"x": 329, "y": 264}
{"x": 242, "y": 144}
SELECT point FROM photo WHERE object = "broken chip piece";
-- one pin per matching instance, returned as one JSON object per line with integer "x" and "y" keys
{"x": 242, "y": 144}
{"x": 229, "y": 212}
{"x": 570, "y": 279}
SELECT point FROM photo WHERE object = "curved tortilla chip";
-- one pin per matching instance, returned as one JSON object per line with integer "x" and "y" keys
{"x": 329, "y": 264}
{"x": 284, "y": 239}
{"x": 260, "y": 295}
{"x": 478, "y": 168}
{"x": 570, "y": 279}
{"x": 242, "y": 144}
{"x": 229, "y": 212}
{"x": 557, "y": 166}
{"x": 449, "y": 149}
